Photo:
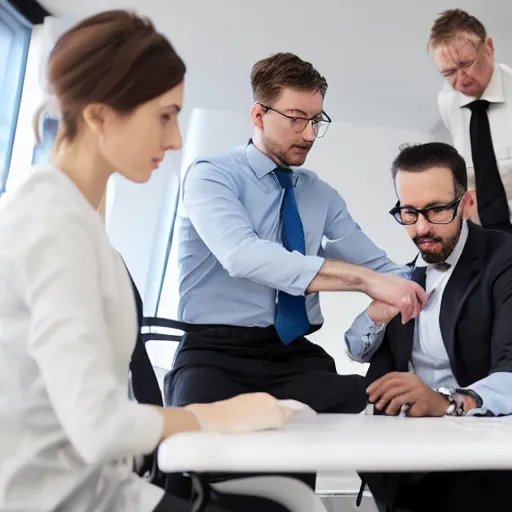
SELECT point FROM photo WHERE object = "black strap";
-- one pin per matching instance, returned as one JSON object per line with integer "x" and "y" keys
{"x": 154, "y": 321}
{"x": 360, "y": 493}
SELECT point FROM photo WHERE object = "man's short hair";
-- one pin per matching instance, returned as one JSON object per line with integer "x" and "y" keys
{"x": 422, "y": 157}
{"x": 450, "y": 24}
{"x": 271, "y": 75}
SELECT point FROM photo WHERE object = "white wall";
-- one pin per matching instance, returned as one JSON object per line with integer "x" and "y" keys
{"x": 209, "y": 132}
{"x": 133, "y": 217}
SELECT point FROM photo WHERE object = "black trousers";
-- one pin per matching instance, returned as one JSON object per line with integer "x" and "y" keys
{"x": 464, "y": 491}
{"x": 219, "y": 362}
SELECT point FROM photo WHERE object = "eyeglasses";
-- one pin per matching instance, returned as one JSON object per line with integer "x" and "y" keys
{"x": 442, "y": 214}
{"x": 299, "y": 124}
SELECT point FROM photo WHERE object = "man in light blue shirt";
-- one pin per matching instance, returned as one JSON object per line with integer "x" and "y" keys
{"x": 251, "y": 259}
{"x": 455, "y": 358}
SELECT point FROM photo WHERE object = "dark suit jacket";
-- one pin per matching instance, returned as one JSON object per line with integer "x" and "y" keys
{"x": 475, "y": 318}
{"x": 475, "y": 321}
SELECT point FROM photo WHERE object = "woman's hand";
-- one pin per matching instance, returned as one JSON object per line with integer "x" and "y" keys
{"x": 243, "y": 413}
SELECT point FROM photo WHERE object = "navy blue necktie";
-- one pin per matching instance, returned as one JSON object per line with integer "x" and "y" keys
{"x": 419, "y": 275}
{"x": 291, "y": 316}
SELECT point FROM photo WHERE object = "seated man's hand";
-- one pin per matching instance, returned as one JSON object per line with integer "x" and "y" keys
{"x": 381, "y": 313}
{"x": 396, "y": 389}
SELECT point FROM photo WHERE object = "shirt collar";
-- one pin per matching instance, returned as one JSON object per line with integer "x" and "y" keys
{"x": 260, "y": 163}
{"x": 454, "y": 257}
{"x": 493, "y": 93}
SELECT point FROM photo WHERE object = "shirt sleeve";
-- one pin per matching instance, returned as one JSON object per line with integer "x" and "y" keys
{"x": 69, "y": 342}
{"x": 346, "y": 241}
{"x": 363, "y": 338}
{"x": 495, "y": 393}
{"x": 211, "y": 200}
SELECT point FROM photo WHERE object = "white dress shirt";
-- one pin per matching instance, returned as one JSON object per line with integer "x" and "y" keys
{"x": 456, "y": 117}
{"x": 68, "y": 325}
{"x": 429, "y": 359}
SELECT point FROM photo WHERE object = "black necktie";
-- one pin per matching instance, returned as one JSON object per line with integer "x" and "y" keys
{"x": 490, "y": 193}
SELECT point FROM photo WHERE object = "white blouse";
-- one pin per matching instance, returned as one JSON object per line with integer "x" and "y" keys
{"x": 68, "y": 325}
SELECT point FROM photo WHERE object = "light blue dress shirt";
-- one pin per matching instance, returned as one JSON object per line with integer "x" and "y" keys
{"x": 429, "y": 359}
{"x": 231, "y": 259}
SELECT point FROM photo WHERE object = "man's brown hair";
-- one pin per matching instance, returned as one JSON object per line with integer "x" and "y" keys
{"x": 271, "y": 75}
{"x": 449, "y": 24}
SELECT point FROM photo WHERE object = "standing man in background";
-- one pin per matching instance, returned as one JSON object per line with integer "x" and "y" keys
{"x": 251, "y": 260}
{"x": 475, "y": 106}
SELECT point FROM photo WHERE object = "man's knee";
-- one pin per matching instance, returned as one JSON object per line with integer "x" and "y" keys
{"x": 350, "y": 397}
{"x": 198, "y": 384}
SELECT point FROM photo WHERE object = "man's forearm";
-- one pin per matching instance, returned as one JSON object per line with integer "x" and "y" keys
{"x": 338, "y": 276}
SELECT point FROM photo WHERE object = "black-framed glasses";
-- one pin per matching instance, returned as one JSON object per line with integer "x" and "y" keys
{"x": 439, "y": 214}
{"x": 299, "y": 124}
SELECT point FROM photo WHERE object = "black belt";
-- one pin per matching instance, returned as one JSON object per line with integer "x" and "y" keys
{"x": 187, "y": 327}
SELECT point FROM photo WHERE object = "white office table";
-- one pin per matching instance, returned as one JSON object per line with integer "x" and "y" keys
{"x": 339, "y": 442}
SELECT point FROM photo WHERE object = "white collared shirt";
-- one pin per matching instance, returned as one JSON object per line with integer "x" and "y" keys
{"x": 429, "y": 359}
{"x": 456, "y": 116}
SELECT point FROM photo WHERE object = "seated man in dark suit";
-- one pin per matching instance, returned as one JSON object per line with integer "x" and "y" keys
{"x": 456, "y": 357}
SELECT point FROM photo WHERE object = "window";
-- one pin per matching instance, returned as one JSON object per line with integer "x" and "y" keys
{"x": 14, "y": 42}
{"x": 48, "y": 133}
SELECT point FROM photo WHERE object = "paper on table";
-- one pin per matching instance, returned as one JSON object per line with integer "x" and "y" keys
{"x": 300, "y": 410}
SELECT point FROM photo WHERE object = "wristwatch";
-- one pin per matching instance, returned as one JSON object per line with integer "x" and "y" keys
{"x": 455, "y": 401}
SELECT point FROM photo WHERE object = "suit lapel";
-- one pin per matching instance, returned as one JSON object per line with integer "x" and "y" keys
{"x": 461, "y": 283}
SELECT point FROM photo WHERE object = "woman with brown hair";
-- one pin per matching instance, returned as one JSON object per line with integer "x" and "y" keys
{"x": 68, "y": 433}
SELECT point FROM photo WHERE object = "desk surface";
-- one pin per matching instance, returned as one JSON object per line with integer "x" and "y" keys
{"x": 339, "y": 442}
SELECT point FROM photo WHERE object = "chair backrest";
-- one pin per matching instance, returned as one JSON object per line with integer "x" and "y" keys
{"x": 143, "y": 379}
{"x": 144, "y": 382}
{"x": 150, "y": 322}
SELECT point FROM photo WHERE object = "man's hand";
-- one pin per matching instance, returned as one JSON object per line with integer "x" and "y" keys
{"x": 406, "y": 296}
{"x": 381, "y": 313}
{"x": 391, "y": 392}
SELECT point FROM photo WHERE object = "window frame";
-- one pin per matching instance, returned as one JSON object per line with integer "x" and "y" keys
{"x": 22, "y": 30}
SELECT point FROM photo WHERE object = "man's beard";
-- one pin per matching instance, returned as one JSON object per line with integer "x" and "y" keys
{"x": 447, "y": 244}
{"x": 277, "y": 152}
